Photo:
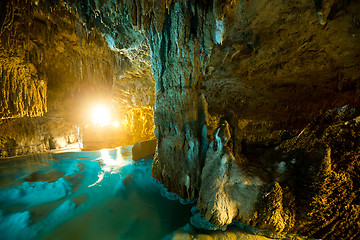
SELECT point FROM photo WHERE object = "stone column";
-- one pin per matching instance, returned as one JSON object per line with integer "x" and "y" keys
{"x": 180, "y": 48}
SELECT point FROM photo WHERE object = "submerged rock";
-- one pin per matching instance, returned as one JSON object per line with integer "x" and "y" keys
{"x": 141, "y": 150}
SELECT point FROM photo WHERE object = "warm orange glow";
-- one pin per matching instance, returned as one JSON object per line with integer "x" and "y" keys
{"x": 116, "y": 124}
{"x": 101, "y": 116}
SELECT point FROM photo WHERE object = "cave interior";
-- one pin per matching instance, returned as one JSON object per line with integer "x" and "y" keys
{"x": 249, "y": 109}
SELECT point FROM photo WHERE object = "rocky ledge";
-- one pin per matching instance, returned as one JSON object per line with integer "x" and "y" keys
{"x": 307, "y": 185}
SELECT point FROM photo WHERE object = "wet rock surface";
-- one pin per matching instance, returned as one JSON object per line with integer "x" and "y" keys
{"x": 185, "y": 37}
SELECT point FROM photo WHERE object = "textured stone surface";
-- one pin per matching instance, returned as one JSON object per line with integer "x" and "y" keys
{"x": 51, "y": 61}
{"x": 227, "y": 192}
{"x": 21, "y": 136}
{"x": 307, "y": 185}
{"x": 179, "y": 53}
{"x": 323, "y": 175}
{"x": 53, "y": 65}
{"x": 278, "y": 64}
{"x": 134, "y": 93}
{"x": 23, "y": 93}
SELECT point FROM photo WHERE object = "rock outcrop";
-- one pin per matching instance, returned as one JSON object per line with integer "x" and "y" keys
{"x": 323, "y": 175}
{"x": 227, "y": 193}
{"x": 307, "y": 185}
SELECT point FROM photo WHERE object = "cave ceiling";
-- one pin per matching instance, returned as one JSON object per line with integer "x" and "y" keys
{"x": 277, "y": 61}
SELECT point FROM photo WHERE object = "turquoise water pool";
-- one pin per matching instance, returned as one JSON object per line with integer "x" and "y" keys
{"x": 86, "y": 195}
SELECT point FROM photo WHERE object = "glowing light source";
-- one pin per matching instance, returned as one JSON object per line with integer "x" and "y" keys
{"x": 101, "y": 116}
{"x": 116, "y": 124}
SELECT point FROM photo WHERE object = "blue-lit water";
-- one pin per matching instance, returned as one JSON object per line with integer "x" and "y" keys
{"x": 85, "y": 195}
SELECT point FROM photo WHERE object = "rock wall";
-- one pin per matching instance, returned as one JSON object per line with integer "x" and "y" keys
{"x": 279, "y": 64}
{"x": 180, "y": 48}
{"x": 27, "y": 135}
{"x": 50, "y": 67}
{"x": 227, "y": 192}
{"x": 48, "y": 55}
{"x": 307, "y": 185}
{"x": 273, "y": 63}
{"x": 23, "y": 93}
{"x": 134, "y": 93}
{"x": 53, "y": 65}
{"x": 318, "y": 188}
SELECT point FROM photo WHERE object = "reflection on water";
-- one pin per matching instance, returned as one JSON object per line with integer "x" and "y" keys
{"x": 111, "y": 165}
{"x": 85, "y": 195}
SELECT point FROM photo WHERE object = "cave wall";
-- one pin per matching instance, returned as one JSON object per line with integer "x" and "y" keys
{"x": 134, "y": 94}
{"x": 241, "y": 72}
{"x": 50, "y": 65}
{"x": 180, "y": 110}
{"x": 267, "y": 67}
{"x": 56, "y": 68}
{"x": 23, "y": 89}
{"x": 279, "y": 63}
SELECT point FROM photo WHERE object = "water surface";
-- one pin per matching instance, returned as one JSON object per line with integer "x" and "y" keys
{"x": 85, "y": 195}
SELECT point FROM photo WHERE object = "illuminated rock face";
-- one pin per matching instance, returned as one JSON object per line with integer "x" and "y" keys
{"x": 53, "y": 65}
{"x": 227, "y": 192}
{"x": 21, "y": 95}
{"x": 49, "y": 66}
{"x": 134, "y": 94}
{"x": 49, "y": 62}
{"x": 179, "y": 54}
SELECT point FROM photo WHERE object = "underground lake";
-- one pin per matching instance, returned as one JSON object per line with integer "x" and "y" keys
{"x": 86, "y": 195}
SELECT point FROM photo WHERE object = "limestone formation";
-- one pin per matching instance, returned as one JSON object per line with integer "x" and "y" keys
{"x": 324, "y": 174}
{"x": 179, "y": 53}
{"x": 226, "y": 192}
